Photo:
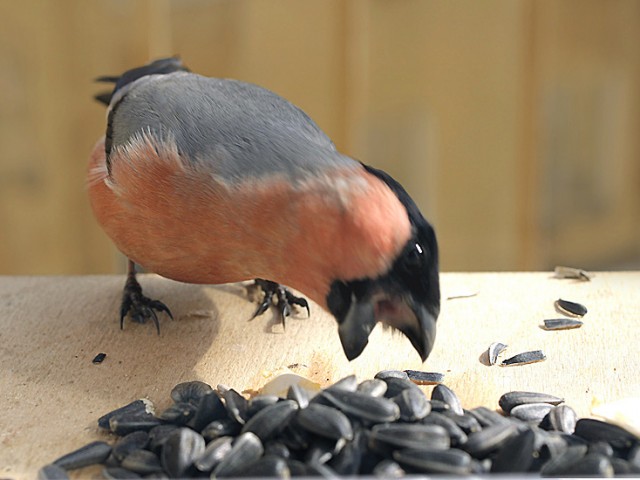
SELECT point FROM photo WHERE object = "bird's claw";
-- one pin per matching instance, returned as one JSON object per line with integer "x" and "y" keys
{"x": 284, "y": 299}
{"x": 139, "y": 307}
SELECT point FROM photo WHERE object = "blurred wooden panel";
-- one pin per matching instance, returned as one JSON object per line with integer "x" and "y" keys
{"x": 588, "y": 116}
{"x": 444, "y": 89}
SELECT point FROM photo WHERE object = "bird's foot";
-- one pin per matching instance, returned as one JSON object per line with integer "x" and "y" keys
{"x": 139, "y": 307}
{"x": 285, "y": 299}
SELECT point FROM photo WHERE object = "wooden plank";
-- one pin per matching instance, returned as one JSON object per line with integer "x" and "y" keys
{"x": 52, "y": 327}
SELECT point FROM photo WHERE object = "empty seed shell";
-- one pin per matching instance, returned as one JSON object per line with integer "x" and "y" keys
{"x": 515, "y": 398}
{"x": 271, "y": 420}
{"x": 524, "y": 358}
{"x": 453, "y": 461}
{"x": 570, "y": 272}
{"x": 52, "y": 472}
{"x": 569, "y": 308}
{"x": 99, "y": 358}
{"x": 561, "y": 324}
{"x": 324, "y": 421}
{"x": 366, "y": 407}
{"x": 180, "y": 450}
{"x": 190, "y": 392}
{"x": 90, "y": 454}
{"x": 448, "y": 396}
{"x": 495, "y": 349}
{"x": 425, "y": 378}
{"x": 245, "y": 450}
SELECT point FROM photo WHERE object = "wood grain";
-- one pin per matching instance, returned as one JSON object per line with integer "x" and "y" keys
{"x": 52, "y": 327}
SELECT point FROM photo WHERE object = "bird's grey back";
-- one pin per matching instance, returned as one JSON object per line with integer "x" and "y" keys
{"x": 239, "y": 129}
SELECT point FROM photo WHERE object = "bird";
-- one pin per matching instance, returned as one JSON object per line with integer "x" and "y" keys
{"x": 209, "y": 181}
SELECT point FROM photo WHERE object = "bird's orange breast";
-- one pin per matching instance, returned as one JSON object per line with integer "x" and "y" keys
{"x": 181, "y": 221}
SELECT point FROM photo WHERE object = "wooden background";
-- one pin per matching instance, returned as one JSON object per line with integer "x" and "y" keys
{"x": 513, "y": 123}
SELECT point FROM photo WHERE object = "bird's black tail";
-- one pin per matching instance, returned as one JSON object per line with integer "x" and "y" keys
{"x": 161, "y": 66}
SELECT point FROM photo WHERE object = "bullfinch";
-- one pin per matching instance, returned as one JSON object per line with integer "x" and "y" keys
{"x": 209, "y": 181}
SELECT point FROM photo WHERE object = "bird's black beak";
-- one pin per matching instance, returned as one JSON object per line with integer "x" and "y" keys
{"x": 363, "y": 309}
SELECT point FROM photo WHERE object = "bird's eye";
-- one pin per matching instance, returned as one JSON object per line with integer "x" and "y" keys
{"x": 415, "y": 256}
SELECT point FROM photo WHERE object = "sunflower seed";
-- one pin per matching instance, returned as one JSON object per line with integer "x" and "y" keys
{"x": 137, "y": 407}
{"x": 388, "y": 469}
{"x": 453, "y": 461}
{"x": 118, "y": 473}
{"x": 210, "y": 408}
{"x": 594, "y": 430}
{"x": 366, "y": 407}
{"x": 213, "y": 454}
{"x": 524, "y": 358}
{"x": 349, "y": 459}
{"x": 561, "y": 324}
{"x": 444, "y": 393}
{"x": 425, "y": 378}
{"x": 467, "y": 422}
{"x": 325, "y": 421}
{"x": 277, "y": 448}
{"x": 373, "y": 387}
{"x": 593, "y": 465}
{"x": 516, "y": 455}
{"x": 489, "y": 439}
{"x": 267, "y": 466}
{"x": 221, "y": 428}
{"x": 439, "y": 406}
{"x": 486, "y": 417}
{"x": 384, "y": 374}
{"x": 179, "y": 413}
{"x": 130, "y": 442}
{"x": 236, "y": 406}
{"x": 396, "y": 385}
{"x": 385, "y": 438}
{"x": 245, "y": 450}
{"x": 561, "y": 464}
{"x": 99, "y": 358}
{"x": 349, "y": 383}
{"x": 531, "y": 412}
{"x": 180, "y": 450}
{"x": 601, "y": 448}
{"x": 457, "y": 435}
{"x": 257, "y": 403}
{"x": 90, "y": 454}
{"x": 495, "y": 349}
{"x": 142, "y": 462}
{"x": 623, "y": 467}
{"x": 271, "y": 420}
{"x": 190, "y": 392}
{"x": 158, "y": 436}
{"x": 322, "y": 450}
{"x": 571, "y": 309}
{"x": 52, "y": 472}
{"x": 515, "y": 398}
{"x": 413, "y": 405}
{"x": 299, "y": 395}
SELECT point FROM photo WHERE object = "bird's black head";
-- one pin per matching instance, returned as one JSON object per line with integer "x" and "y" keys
{"x": 406, "y": 298}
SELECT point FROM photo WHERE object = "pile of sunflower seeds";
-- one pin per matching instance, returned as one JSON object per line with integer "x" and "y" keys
{"x": 385, "y": 427}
